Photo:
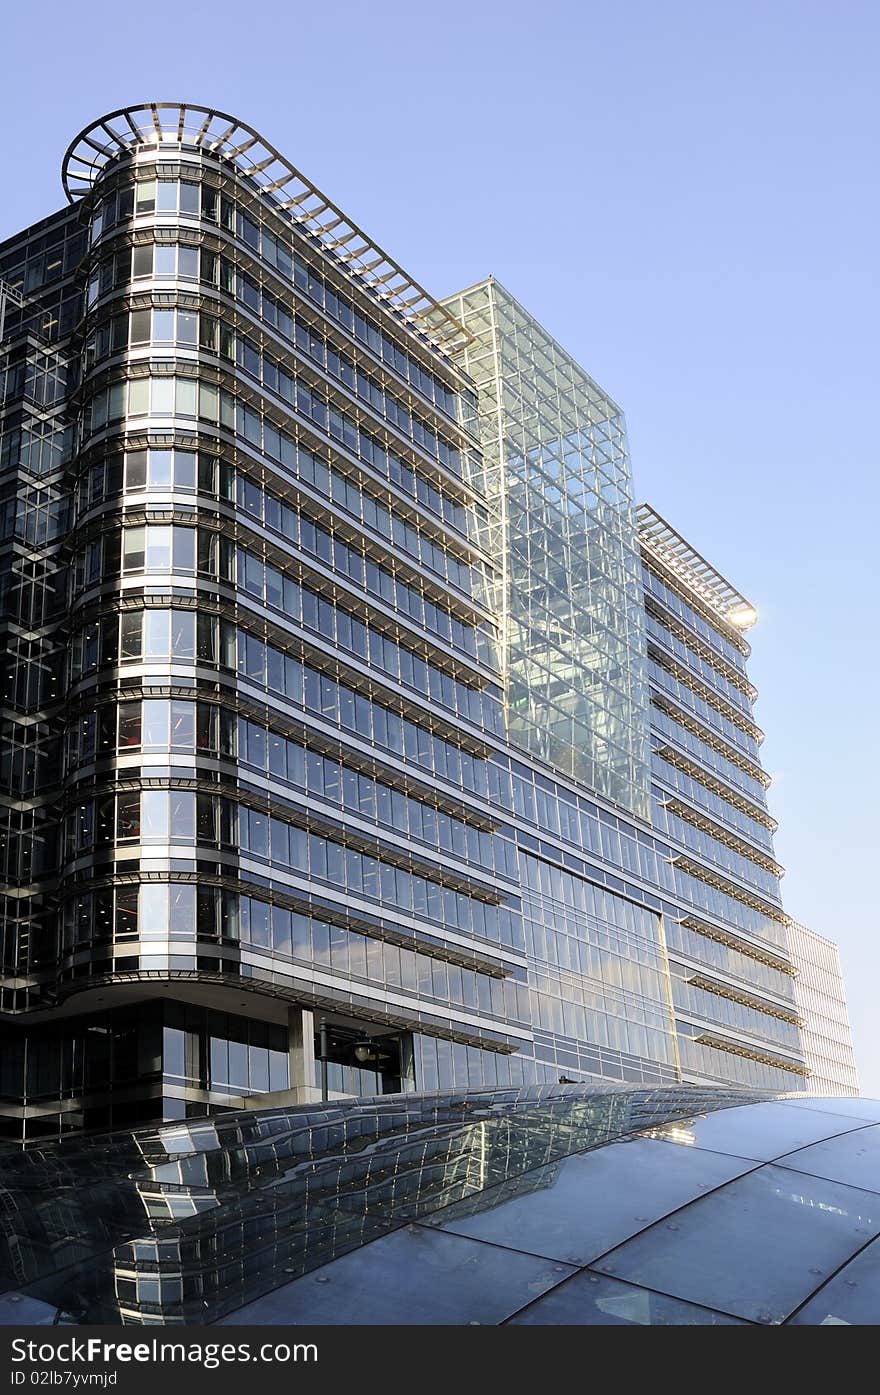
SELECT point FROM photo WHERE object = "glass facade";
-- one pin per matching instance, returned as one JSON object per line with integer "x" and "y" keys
{"x": 544, "y": 1205}
{"x": 555, "y": 471}
{"x": 358, "y": 737}
{"x": 738, "y": 987}
{"x": 821, "y": 1002}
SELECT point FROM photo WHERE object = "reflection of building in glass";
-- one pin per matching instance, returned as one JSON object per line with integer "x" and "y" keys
{"x": 552, "y": 1204}
{"x": 820, "y": 1000}
{"x": 205, "y": 1215}
{"x": 334, "y": 676}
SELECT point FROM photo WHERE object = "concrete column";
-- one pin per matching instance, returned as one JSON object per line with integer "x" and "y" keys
{"x": 301, "y": 1039}
{"x": 301, "y": 1051}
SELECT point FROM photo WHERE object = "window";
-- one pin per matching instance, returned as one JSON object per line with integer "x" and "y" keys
{"x": 158, "y": 549}
{"x": 155, "y": 724}
{"x": 153, "y": 910}
{"x": 166, "y": 259}
{"x": 187, "y": 327}
{"x": 183, "y": 725}
{"x": 129, "y": 721}
{"x": 145, "y": 201}
{"x": 189, "y": 197}
{"x": 157, "y": 633}
{"x": 128, "y": 824}
{"x": 130, "y": 636}
{"x": 188, "y": 263}
{"x": 133, "y": 549}
{"x": 140, "y": 327}
{"x": 163, "y": 325}
{"x": 142, "y": 262}
{"x": 154, "y": 815}
{"x": 160, "y": 467}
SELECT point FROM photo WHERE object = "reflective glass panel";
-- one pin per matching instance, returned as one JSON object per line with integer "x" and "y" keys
{"x": 762, "y": 1131}
{"x": 580, "y": 1207}
{"x": 593, "y": 1300}
{"x": 851, "y": 1297}
{"x": 853, "y": 1158}
{"x": 756, "y": 1248}
{"x": 414, "y": 1275}
{"x": 852, "y": 1106}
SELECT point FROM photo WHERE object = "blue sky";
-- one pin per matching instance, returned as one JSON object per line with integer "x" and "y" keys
{"x": 686, "y": 195}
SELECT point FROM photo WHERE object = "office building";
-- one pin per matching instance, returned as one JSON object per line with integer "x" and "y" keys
{"x": 359, "y": 736}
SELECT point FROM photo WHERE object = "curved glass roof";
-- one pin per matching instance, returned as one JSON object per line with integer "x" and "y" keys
{"x": 557, "y": 1204}
{"x": 183, "y": 125}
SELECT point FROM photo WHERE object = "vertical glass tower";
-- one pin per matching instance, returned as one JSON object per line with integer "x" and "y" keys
{"x": 555, "y": 472}
{"x": 357, "y": 736}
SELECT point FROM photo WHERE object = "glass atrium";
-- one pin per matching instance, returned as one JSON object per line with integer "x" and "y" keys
{"x": 546, "y": 1205}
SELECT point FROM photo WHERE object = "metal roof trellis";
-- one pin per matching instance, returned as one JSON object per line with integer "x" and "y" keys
{"x": 182, "y": 124}
{"x": 670, "y": 548}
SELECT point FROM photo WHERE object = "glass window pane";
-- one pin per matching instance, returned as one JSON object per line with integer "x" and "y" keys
{"x": 154, "y": 815}
{"x": 183, "y": 909}
{"x": 238, "y": 1064}
{"x": 162, "y": 396}
{"x": 133, "y": 549}
{"x": 153, "y": 910}
{"x": 184, "y": 549}
{"x": 183, "y": 725}
{"x": 182, "y": 816}
{"x": 187, "y": 327}
{"x": 188, "y": 263}
{"x": 166, "y": 259}
{"x": 189, "y": 197}
{"x": 183, "y": 634}
{"x": 155, "y": 730}
{"x": 142, "y": 261}
{"x": 186, "y": 396}
{"x": 158, "y": 549}
{"x": 129, "y": 724}
{"x": 185, "y": 469}
{"x": 146, "y": 196}
{"x": 139, "y": 397}
{"x": 140, "y": 327}
{"x": 157, "y": 633}
{"x": 160, "y": 467}
{"x": 130, "y": 636}
{"x": 163, "y": 325}
{"x": 136, "y": 469}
